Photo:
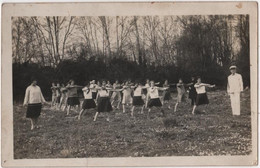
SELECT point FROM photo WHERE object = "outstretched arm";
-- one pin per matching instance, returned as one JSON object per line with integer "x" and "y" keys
{"x": 163, "y": 88}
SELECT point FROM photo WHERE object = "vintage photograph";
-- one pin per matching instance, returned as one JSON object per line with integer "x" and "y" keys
{"x": 132, "y": 86}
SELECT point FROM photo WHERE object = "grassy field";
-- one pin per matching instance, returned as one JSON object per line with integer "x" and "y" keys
{"x": 214, "y": 132}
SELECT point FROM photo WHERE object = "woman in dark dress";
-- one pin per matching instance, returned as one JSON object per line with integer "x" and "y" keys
{"x": 103, "y": 101}
{"x": 192, "y": 91}
{"x": 166, "y": 94}
{"x": 73, "y": 98}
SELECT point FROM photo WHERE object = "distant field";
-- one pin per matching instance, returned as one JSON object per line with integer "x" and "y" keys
{"x": 215, "y": 132}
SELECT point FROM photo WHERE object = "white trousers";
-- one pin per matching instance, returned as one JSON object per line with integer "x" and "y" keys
{"x": 235, "y": 103}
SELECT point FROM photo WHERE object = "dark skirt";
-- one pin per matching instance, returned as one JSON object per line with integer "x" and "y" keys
{"x": 167, "y": 96}
{"x": 34, "y": 110}
{"x": 192, "y": 94}
{"x": 72, "y": 101}
{"x": 138, "y": 101}
{"x": 94, "y": 95}
{"x": 145, "y": 91}
{"x": 104, "y": 104}
{"x": 88, "y": 104}
{"x": 202, "y": 99}
{"x": 154, "y": 102}
{"x": 58, "y": 99}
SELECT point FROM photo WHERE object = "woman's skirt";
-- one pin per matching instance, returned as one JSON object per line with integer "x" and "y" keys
{"x": 72, "y": 101}
{"x": 63, "y": 99}
{"x": 154, "y": 102}
{"x": 88, "y": 104}
{"x": 138, "y": 101}
{"x": 127, "y": 99}
{"x": 202, "y": 99}
{"x": 180, "y": 98}
{"x": 58, "y": 99}
{"x": 192, "y": 94}
{"x": 94, "y": 95}
{"x": 116, "y": 96}
{"x": 104, "y": 104}
{"x": 34, "y": 110}
{"x": 167, "y": 96}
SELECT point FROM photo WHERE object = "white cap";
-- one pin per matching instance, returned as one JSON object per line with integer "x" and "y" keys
{"x": 233, "y": 67}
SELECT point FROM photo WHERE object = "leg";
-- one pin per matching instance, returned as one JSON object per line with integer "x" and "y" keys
{"x": 169, "y": 106}
{"x": 68, "y": 110}
{"x": 193, "y": 110}
{"x": 78, "y": 108}
{"x": 163, "y": 113}
{"x": 52, "y": 101}
{"x": 95, "y": 117}
{"x": 175, "y": 108}
{"x": 132, "y": 111}
{"x": 112, "y": 102}
{"x": 238, "y": 103}
{"x": 232, "y": 100}
{"x": 235, "y": 103}
{"x": 61, "y": 100}
{"x": 123, "y": 108}
{"x": 65, "y": 105}
{"x": 108, "y": 118}
{"x": 142, "y": 111}
{"x": 119, "y": 100}
{"x": 80, "y": 113}
{"x": 32, "y": 124}
{"x": 148, "y": 114}
{"x": 36, "y": 123}
{"x": 162, "y": 101}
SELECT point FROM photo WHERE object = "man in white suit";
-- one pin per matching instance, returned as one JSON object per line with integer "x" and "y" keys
{"x": 234, "y": 87}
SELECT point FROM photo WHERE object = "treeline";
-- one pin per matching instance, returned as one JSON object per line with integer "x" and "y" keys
{"x": 136, "y": 47}
{"x": 85, "y": 70}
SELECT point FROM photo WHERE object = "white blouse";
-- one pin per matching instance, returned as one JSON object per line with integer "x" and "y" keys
{"x": 87, "y": 93}
{"x": 93, "y": 87}
{"x": 200, "y": 89}
{"x": 147, "y": 85}
{"x": 138, "y": 91}
{"x": 33, "y": 94}
{"x": 103, "y": 93}
{"x": 153, "y": 92}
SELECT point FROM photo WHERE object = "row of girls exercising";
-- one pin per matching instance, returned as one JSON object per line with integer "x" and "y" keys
{"x": 130, "y": 94}
{"x": 65, "y": 97}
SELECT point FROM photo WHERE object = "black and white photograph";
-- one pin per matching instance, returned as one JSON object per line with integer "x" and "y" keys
{"x": 131, "y": 86}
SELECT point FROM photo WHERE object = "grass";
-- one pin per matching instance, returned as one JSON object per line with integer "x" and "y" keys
{"x": 214, "y": 132}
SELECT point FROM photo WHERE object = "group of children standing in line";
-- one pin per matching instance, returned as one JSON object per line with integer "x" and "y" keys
{"x": 105, "y": 96}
